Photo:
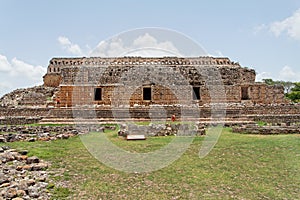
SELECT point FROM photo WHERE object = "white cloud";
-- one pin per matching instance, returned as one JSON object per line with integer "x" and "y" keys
{"x": 69, "y": 46}
{"x": 64, "y": 41}
{"x": 31, "y": 72}
{"x": 287, "y": 73}
{"x": 16, "y": 73}
{"x": 145, "y": 41}
{"x": 148, "y": 41}
{"x": 262, "y": 75}
{"x": 143, "y": 45}
{"x": 218, "y": 53}
{"x": 4, "y": 64}
{"x": 259, "y": 28}
{"x": 290, "y": 26}
{"x": 5, "y": 87}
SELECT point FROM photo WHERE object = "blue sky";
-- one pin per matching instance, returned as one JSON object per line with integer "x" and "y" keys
{"x": 264, "y": 35}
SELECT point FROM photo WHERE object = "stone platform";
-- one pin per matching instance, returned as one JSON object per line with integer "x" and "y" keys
{"x": 230, "y": 116}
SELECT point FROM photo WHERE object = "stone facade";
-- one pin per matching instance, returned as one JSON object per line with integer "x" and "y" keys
{"x": 134, "y": 88}
{"x": 156, "y": 81}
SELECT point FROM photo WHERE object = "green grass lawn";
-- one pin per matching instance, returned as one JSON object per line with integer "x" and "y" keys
{"x": 239, "y": 167}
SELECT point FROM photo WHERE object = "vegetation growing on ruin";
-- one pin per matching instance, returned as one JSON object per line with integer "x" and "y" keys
{"x": 261, "y": 123}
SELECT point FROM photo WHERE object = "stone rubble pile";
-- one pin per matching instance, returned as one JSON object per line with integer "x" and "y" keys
{"x": 167, "y": 129}
{"x": 34, "y": 96}
{"x": 22, "y": 177}
{"x": 34, "y": 133}
{"x": 47, "y": 133}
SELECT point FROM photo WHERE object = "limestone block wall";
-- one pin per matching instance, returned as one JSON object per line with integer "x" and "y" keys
{"x": 110, "y": 69}
{"x": 233, "y": 93}
{"x": 266, "y": 94}
{"x": 123, "y": 96}
{"x": 195, "y": 75}
{"x": 267, "y": 130}
{"x": 52, "y": 80}
{"x": 24, "y": 112}
{"x": 278, "y": 119}
{"x": 19, "y": 120}
{"x": 217, "y": 80}
{"x": 115, "y": 96}
{"x": 275, "y": 109}
{"x": 136, "y": 113}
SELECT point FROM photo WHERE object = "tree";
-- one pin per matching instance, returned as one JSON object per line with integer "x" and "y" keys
{"x": 288, "y": 85}
{"x": 296, "y": 87}
{"x": 268, "y": 81}
{"x": 294, "y": 95}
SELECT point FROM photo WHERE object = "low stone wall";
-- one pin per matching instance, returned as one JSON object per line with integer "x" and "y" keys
{"x": 22, "y": 115}
{"x": 231, "y": 110}
{"x": 19, "y": 120}
{"x": 33, "y": 133}
{"x": 143, "y": 112}
{"x": 289, "y": 113}
{"x": 277, "y": 119}
{"x": 23, "y": 112}
{"x": 267, "y": 130}
{"x": 46, "y": 133}
{"x": 276, "y": 109}
{"x": 161, "y": 130}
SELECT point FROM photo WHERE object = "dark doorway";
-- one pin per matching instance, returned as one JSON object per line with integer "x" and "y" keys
{"x": 245, "y": 95}
{"x": 196, "y": 93}
{"x": 147, "y": 94}
{"x": 98, "y": 94}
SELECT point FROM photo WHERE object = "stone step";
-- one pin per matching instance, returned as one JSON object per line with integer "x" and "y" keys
{"x": 226, "y": 121}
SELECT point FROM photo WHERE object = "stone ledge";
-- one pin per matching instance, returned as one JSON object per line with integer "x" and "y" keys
{"x": 135, "y": 137}
{"x": 267, "y": 130}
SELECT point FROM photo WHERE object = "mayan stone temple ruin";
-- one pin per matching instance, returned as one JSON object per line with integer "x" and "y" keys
{"x": 103, "y": 87}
